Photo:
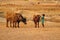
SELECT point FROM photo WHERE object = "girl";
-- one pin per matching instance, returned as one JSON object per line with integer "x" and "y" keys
{"x": 43, "y": 15}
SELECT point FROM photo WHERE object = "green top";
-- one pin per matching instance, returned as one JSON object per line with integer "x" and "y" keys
{"x": 42, "y": 19}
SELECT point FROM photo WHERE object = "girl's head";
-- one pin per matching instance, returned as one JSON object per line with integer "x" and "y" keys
{"x": 43, "y": 14}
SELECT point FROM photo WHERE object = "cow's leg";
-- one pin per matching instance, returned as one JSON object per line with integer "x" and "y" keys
{"x": 35, "y": 24}
{"x": 38, "y": 24}
{"x": 13, "y": 24}
{"x": 10, "y": 24}
{"x": 7, "y": 23}
{"x": 18, "y": 24}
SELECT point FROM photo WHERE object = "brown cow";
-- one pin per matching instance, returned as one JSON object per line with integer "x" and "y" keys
{"x": 19, "y": 18}
{"x": 36, "y": 19}
{"x": 14, "y": 18}
{"x": 9, "y": 18}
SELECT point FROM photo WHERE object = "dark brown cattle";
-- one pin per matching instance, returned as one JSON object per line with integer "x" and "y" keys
{"x": 36, "y": 19}
{"x": 14, "y": 19}
{"x": 19, "y": 18}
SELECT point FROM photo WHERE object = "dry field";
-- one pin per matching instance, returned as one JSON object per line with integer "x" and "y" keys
{"x": 51, "y": 31}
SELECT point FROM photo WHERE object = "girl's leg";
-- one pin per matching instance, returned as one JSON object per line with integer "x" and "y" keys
{"x": 43, "y": 25}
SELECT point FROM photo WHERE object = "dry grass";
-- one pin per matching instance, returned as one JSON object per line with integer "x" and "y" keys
{"x": 51, "y": 31}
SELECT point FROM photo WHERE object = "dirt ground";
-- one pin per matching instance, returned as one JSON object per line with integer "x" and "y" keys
{"x": 51, "y": 31}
